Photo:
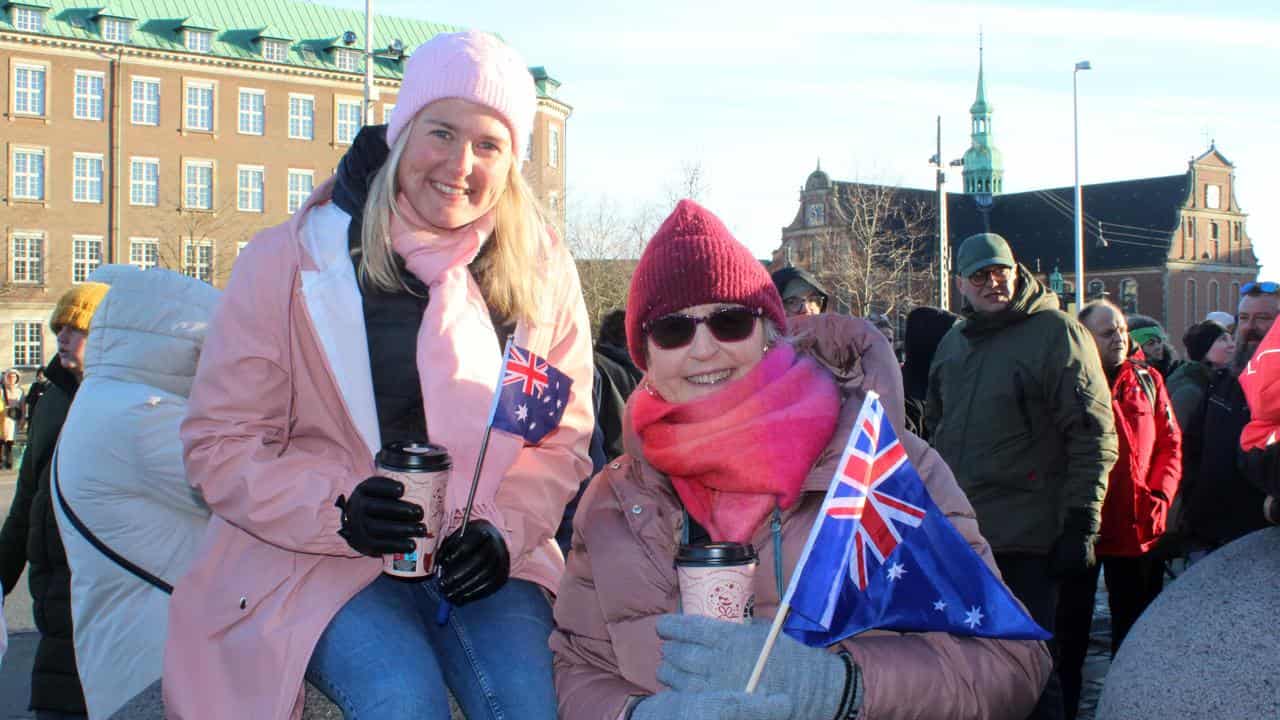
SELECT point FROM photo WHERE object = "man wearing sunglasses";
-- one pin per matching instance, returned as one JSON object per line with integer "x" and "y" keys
{"x": 1225, "y": 500}
{"x": 1020, "y": 408}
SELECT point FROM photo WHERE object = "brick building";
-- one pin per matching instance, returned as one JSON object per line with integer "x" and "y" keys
{"x": 134, "y": 134}
{"x": 1173, "y": 247}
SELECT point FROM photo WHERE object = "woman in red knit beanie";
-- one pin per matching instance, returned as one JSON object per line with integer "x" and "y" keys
{"x": 733, "y": 438}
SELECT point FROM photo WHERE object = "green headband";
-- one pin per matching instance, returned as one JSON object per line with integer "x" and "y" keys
{"x": 1142, "y": 336}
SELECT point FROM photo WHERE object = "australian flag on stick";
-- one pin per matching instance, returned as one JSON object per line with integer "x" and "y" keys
{"x": 531, "y": 396}
{"x": 882, "y": 555}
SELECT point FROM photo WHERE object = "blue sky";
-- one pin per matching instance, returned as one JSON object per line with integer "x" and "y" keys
{"x": 758, "y": 93}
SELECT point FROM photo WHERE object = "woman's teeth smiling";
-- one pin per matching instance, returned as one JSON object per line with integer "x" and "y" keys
{"x": 710, "y": 378}
{"x": 449, "y": 189}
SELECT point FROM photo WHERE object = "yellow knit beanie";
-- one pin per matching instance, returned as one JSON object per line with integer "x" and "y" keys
{"x": 76, "y": 307}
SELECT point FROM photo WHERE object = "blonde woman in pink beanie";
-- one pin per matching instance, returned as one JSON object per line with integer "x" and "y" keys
{"x": 731, "y": 443}
{"x": 378, "y": 314}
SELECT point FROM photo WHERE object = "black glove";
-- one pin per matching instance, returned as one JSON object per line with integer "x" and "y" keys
{"x": 1262, "y": 467}
{"x": 474, "y": 564}
{"x": 1072, "y": 552}
{"x": 375, "y": 521}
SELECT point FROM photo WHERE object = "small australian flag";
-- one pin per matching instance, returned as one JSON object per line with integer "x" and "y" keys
{"x": 532, "y": 395}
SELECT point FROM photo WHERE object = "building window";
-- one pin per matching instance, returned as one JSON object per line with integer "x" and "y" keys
{"x": 1235, "y": 291}
{"x": 86, "y": 185}
{"x": 115, "y": 30}
{"x": 1097, "y": 289}
{"x": 301, "y": 183}
{"x": 275, "y": 50}
{"x": 347, "y": 60}
{"x": 1212, "y": 197}
{"x": 197, "y": 260}
{"x": 28, "y": 344}
{"x": 252, "y": 106}
{"x": 1215, "y": 302}
{"x": 553, "y": 147}
{"x": 145, "y": 94}
{"x": 89, "y": 92}
{"x": 27, "y": 258}
{"x": 26, "y": 19}
{"x": 1213, "y": 229}
{"x": 198, "y": 178}
{"x": 386, "y": 113}
{"x": 200, "y": 106}
{"x": 28, "y": 89}
{"x": 1192, "y": 306}
{"x": 144, "y": 253}
{"x": 144, "y": 181}
{"x": 1129, "y": 295}
{"x": 198, "y": 40}
{"x": 28, "y": 174}
{"x": 349, "y": 120}
{"x": 302, "y": 117}
{"x": 528, "y": 147}
{"x": 249, "y": 188}
{"x": 240, "y": 246}
{"x": 86, "y": 256}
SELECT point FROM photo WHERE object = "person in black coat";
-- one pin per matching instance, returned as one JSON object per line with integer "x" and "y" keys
{"x": 925, "y": 328}
{"x": 30, "y": 532}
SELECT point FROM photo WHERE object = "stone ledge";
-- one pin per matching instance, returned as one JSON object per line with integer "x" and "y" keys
{"x": 1207, "y": 647}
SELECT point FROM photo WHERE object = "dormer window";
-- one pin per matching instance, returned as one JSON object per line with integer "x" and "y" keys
{"x": 197, "y": 40}
{"x": 347, "y": 60}
{"x": 27, "y": 18}
{"x": 114, "y": 29}
{"x": 275, "y": 50}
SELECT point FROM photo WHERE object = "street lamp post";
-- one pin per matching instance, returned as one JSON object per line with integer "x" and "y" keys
{"x": 1079, "y": 214}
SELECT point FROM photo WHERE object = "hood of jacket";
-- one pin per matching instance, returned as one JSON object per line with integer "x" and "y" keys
{"x": 1030, "y": 296}
{"x": 926, "y": 326}
{"x": 149, "y": 329}
{"x": 356, "y": 169}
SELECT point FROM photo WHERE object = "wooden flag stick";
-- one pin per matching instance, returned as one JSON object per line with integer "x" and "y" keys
{"x": 774, "y": 629}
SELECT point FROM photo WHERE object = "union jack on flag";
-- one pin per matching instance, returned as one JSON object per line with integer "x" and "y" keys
{"x": 881, "y": 554}
{"x": 525, "y": 369}
{"x": 867, "y": 465}
{"x": 531, "y": 397}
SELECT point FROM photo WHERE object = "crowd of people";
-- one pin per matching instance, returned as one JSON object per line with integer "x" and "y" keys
{"x": 206, "y": 520}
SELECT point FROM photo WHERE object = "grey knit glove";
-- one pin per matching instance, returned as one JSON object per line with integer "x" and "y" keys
{"x": 701, "y": 654}
{"x": 736, "y": 705}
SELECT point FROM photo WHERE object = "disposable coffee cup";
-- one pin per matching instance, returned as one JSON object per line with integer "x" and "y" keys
{"x": 424, "y": 470}
{"x": 716, "y": 580}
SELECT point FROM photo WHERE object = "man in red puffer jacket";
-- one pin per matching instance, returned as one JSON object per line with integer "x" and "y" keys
{"x": 1139, "y": 490}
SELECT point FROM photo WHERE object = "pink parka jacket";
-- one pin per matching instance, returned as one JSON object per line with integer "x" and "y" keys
{"x": 620, "y": 576}
{"x": 282, "y": 421}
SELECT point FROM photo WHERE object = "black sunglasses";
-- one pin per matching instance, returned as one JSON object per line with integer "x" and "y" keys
{"x": 732, "y": 324}
{"x": 1266, "y": 288}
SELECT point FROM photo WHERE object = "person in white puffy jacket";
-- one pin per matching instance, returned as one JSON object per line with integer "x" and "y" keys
{"x": 120, "y": 471}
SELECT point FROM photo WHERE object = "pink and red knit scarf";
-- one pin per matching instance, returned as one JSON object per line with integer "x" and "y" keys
{"x": 732, "y": 455}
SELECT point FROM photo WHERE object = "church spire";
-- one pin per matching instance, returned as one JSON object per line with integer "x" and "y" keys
{"x": 983, "y": 163}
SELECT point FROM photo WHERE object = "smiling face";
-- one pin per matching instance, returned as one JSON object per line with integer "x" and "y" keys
{"x": 456, "y": 162}
{"x": 704, "y": 365}
{"x": 1221, "y": 351}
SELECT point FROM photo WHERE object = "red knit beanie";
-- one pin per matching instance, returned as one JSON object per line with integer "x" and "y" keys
{"x": 693, "y": 260}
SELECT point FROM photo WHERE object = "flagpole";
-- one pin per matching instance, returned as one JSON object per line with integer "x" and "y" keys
{"x": 442, "y": 612}
{"x": 776, "y": 628}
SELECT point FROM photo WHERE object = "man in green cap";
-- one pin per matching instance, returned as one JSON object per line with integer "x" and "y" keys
{"x": 1020, "y": 409}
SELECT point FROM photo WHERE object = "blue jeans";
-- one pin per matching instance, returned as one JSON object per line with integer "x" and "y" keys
{"x": 384, "y": 656}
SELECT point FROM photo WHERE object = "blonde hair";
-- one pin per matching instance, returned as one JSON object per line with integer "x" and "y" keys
{"x": 507, "y": 267}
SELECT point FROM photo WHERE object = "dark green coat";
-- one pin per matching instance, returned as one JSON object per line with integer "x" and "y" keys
{"x": 30, "y": 535}
{"x": 1020, "y": 408}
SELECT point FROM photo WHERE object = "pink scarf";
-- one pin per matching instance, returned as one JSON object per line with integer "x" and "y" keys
{"x": 732, "y": 455}
{"x": 458, "y": 355}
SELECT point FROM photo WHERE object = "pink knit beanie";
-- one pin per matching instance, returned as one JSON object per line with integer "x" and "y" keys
{"x": 472, "y": 66}
{"x": 694, "y": 260}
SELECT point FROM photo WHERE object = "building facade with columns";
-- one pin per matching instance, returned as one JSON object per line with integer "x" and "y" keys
{"x": 136, "y": 134}
{"x": 1173, "y": 247}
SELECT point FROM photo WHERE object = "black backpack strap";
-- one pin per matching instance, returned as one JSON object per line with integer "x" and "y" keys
{"x": 102, "y": 547}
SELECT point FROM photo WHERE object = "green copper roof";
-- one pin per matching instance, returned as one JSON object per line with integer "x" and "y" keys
{"x": 238, "y": 26}
{"x": 980, "y": 105}
{"x": 111, "y": 12}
